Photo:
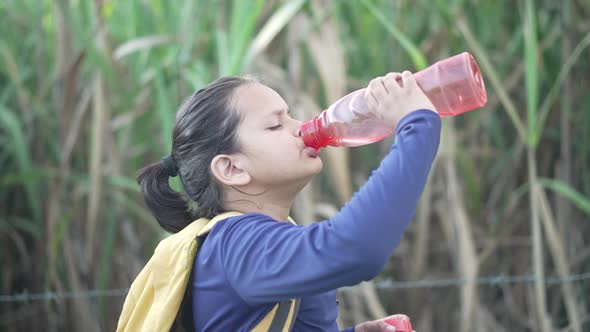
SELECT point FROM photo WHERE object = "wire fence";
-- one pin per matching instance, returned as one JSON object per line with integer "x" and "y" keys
{"x": 386, "y": 284}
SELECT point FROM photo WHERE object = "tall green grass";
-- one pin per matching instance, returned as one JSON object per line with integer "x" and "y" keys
{"x": 71, "y": 147}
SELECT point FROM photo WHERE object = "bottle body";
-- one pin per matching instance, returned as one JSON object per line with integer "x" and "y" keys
{"x": 453, "y": 85}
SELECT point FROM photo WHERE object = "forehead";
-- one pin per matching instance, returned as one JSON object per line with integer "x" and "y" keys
{"x": 256, "y": 101}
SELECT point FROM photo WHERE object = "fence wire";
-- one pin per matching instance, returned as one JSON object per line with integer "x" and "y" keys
{"x": 389, "y": 284}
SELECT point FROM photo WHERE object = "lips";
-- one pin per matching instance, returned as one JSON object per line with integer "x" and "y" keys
{"x": 314, "y": 153}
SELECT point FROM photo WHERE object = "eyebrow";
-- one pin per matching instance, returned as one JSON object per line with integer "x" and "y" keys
{"x": 280, "y": 112}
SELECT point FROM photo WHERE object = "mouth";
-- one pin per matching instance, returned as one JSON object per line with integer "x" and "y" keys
{"x": 314, "y": 153}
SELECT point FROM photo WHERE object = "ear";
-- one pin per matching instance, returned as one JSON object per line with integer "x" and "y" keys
{"x": 228, "y": 170}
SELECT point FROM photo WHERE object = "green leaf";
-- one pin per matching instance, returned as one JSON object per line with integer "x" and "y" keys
{"x": 272, "y": 27}
{"x": 106, "y": 262}
{"x": 21, "y": 154}
{"x": 554, "y": 91}
{"x": 580, "y": 201}
{"x": 222, "y": 48}
{"x": 412, "y": 49}
{"x": 244, "y": 18}
{"x": 531, "y": 51}
{"x": 166, "y": 113}
{"x": 26, "y": 225}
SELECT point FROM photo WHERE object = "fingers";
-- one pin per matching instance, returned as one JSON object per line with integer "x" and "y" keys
{"x": 391, "y": 82}
{"x": 399, "y": 84}
{"x": 377, "y": 89}
{"x": 395, "y": 95}
{"x": 370, "y": 99}
{"x": 408, "y": 80}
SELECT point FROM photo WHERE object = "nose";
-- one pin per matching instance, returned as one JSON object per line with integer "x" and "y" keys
{"x": 297, "y": 128}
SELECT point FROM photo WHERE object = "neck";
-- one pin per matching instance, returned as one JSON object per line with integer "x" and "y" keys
{"x": 275, "y": 204}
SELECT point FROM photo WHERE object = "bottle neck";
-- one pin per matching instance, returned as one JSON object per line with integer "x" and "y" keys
{"x": 311, "y": 132}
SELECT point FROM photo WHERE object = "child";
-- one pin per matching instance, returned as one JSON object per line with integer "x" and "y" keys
{"x": 236, "y": 148}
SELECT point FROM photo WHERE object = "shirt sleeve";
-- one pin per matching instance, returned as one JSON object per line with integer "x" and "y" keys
{"x": 267, "y": 261}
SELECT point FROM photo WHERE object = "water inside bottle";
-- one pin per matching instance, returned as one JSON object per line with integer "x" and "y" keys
{"x": 351, "y": 135}
{"x": 358, "y": 141}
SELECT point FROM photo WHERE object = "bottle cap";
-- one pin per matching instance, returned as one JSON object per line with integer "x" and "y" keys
{"x": 311, "y": 133}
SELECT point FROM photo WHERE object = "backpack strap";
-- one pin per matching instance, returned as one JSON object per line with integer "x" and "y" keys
{"x": 205, "y": 230}
{"x": 280, "y": 318}
{"x": 285, "y": 316}
{"x": 184, "y": 319}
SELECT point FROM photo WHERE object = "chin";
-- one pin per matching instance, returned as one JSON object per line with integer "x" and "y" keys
{"x": 317, "y": 167}
{"x": 306, "y": 172}
{"x": 310, "y": 172}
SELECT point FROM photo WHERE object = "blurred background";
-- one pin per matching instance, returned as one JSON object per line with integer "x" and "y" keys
{"x": 88, "y": 95}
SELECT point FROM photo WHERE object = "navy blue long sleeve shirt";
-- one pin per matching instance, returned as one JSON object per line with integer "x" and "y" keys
{"x": 250, "y": 262}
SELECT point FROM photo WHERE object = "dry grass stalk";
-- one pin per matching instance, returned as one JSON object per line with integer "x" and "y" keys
{"x": 564, "y": 165}
{"x": 537, "y": 254}
{"x": 100, "y": 118}
{"x": 558, "y": 253}
{"x": 96, "y": 171}
{"x": 467, "y": 256}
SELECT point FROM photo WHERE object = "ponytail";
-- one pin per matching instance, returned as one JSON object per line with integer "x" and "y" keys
{"x": 169, "y": 208}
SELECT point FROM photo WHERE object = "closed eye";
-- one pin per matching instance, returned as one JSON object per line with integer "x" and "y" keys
{"x": 277, "y": 127}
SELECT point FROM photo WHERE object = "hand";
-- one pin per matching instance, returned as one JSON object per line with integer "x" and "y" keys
{"x": 394, "y": 96}
{"x": 380, "y": 325}
{"x": 374, "y": 326}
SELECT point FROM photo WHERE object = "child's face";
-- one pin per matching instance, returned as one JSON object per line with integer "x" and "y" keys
{"x": 269, "y": 139}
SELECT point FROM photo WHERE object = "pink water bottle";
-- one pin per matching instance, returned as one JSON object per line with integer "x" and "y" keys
{"x": 454, "y": 85}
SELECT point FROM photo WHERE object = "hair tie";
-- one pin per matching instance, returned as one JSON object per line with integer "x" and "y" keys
{"x": 169, "y": 166}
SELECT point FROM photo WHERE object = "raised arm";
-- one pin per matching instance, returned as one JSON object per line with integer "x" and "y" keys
{"x": 269, "y": 261}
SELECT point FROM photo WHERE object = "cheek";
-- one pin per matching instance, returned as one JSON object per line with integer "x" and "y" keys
{"x": 273, "y": 151}
{"x": 279, "y": 148}
{"x": 268, "y": 156}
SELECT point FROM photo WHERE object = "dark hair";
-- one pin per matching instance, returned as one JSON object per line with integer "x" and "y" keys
{"x": 206, "y": 125}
